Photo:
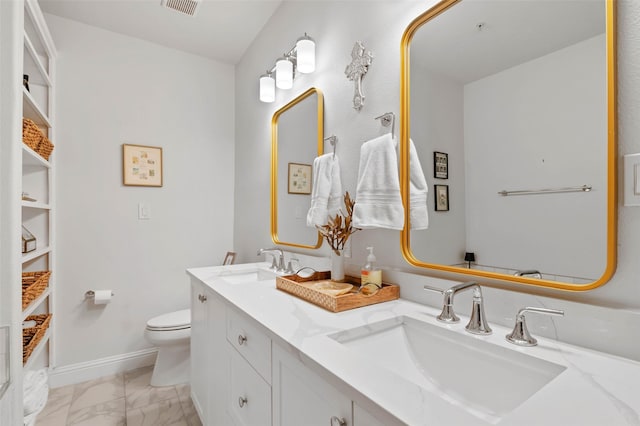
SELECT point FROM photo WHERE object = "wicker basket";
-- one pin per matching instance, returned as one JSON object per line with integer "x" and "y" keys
{"x": 31, "y": 134}
{"x": 35, "y": 139}
{"x": 45, "y": 148}
{"x": 31, "y": 336}
{"x": 33, "y": 285}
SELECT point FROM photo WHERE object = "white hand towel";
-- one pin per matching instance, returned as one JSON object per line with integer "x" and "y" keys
{"x": 326, "y": 191}
{"x": 378, "y": 200}
{"x": 35, "y": 391}
{"x": 418, "y": 190}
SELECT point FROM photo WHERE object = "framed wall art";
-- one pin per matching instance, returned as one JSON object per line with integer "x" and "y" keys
{"x": 299, "y": 178}
{"x": 440, "y": 165}
{"x": 230, "y": 258}
{"x": 141, "y": 165}
{"x": 442, "y": 198}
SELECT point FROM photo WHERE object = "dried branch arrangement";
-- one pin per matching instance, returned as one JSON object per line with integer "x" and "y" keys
{"x": 338, "y": 229}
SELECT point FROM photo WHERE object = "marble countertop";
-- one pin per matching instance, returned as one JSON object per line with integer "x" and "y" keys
{"x": 594, "y": 388}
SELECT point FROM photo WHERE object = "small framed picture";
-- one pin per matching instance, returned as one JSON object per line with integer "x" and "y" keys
{"x": 141, "y": 165}
{"x": 230, "y": 258}
{"x": 299, "y": 178}
{"x": 440, "y": 165}
{"x": 442, "y": 198}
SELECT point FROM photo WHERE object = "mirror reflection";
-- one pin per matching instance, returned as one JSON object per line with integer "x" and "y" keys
{"x": 513, "y": 96}
{"x": 297, "y": 139}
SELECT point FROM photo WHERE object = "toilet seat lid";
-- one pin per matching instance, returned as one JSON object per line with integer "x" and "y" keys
{"x": 172, "y": 320}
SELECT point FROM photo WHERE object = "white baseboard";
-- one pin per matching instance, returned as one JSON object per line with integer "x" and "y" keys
{"x": 83, "y": 371}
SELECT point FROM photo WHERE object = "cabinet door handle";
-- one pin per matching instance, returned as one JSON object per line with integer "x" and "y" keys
{"x": 337, "y": 421}
{"x": 242, "y": 401}
{"x": 202, "y": 298}
{"x": 241, "y": 339}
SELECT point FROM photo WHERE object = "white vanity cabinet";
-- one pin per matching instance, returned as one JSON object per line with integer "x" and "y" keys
{"x": 301, "y": 397}
{"x": 249, "y": 389}
{"x": 249, "y": 396}
{"x": 243, "y": 375}
{"x": 209, "y": 359}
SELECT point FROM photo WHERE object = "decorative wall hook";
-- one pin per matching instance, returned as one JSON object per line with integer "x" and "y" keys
{"x": 360, "y": 61}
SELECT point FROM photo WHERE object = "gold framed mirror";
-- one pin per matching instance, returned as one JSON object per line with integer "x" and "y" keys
{"x": 519, "y": 100}
{"x": 297, "y": 138}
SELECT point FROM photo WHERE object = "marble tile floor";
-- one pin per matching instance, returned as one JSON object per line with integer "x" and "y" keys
{"x": 120, "y": 400}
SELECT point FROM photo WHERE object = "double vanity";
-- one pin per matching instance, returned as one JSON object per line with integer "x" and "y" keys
{"x": 261, "y": 356}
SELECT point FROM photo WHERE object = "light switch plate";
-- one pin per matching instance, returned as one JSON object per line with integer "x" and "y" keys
{"x": 632, "y": 180}
{"x": 143, "y": 211}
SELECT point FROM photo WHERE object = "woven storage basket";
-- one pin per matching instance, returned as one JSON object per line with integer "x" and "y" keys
{"x": 28, "y": 343}
{"x": 31, "y": 134}
{"x": 33, "y": 137}
{"x": 31, "y": 336}
{"x": 45, "y": 148}
{"x": 33, "y": 285}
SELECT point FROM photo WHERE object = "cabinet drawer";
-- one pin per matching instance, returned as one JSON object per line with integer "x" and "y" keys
{"x": 250, "y": 342}
{"x": 249, "y": 400}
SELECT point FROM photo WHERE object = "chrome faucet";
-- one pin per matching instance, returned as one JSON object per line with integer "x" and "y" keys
{"x": 477, "y": 322}
{"x": 276, "y": 265}
{"x": 533, "y": 273}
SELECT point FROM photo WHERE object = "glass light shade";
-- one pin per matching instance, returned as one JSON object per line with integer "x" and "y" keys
{"x": 284, "y": 73}
{"x": 306, "y": 54}
{"x": 267, "y": 88}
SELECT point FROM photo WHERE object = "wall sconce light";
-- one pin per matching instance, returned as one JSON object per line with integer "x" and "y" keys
{"x": 267, "y": 87}
{"x": 301, "y": 58}
{"x": 284, "y": 73}
{"x": 306, "y": 49}
{"x": 469, "y": 257}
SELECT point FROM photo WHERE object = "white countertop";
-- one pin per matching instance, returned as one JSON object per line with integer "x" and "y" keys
{"x": 595, "y": 388}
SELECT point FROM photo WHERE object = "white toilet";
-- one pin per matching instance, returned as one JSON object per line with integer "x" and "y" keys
{"x": 171, "y": 334}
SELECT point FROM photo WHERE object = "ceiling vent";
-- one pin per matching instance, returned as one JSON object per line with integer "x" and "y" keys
{"x": 188, "y": 7}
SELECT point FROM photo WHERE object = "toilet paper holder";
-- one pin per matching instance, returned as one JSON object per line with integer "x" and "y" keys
{"x": 90, "y": 294}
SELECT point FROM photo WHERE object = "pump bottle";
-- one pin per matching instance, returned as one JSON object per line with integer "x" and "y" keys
{"x": 370, "y": 274}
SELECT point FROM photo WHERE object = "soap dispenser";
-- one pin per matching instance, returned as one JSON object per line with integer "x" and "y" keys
{"x": 370, "y": 274}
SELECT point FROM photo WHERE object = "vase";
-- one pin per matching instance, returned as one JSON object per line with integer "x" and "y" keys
{"x": 337, "y": 266}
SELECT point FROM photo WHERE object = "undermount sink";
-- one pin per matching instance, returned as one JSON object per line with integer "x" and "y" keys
{"x": 246, "y": 275}
{"x": 486, "y": 380}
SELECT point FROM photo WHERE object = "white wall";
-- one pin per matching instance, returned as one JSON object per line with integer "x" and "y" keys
{"x": 552, "y": 138}
{"x": 336, "y": 26}
{"x": 113, "y": 89}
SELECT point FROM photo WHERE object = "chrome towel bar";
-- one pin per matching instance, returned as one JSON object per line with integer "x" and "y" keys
{"x": 583, "y": 188}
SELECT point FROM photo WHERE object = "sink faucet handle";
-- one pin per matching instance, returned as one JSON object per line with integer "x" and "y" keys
{"x": 520, "y": 334}
{"x": 290, "y": 270}
{"x": 433, "y": 289}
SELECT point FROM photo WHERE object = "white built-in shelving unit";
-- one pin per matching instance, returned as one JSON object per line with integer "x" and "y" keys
{"x": 38, "y": 173}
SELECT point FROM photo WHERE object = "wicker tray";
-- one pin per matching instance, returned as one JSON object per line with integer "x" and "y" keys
{"x": 303, "y": 288}
{"x": 33, "y": 285}
{"x": 31, "y": 336}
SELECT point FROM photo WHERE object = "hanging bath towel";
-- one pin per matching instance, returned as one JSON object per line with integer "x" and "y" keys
{"x": 418, "y": 215}
{"x": 378, "y": 200}
{"x": 326, "y": 191}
